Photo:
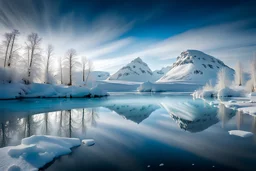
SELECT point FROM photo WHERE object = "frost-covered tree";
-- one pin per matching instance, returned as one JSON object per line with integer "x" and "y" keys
{"x": 238, "y": 74}
{"x": 222, "y": 80}
{"x": 48, "y": 59}
{"x": 7, "y": 42}
{"x": 71, "y": 62}
{"x": 34, "y": 42}
{"x": 14, "y": 35}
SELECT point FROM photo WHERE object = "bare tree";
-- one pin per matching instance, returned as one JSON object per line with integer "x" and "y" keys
{"x": 72, "y": 62}
{"x": 7, "y": 41}
{"x": 49, "y": 56}
{"x": 238, "y": 74}
{"x": 34, "y": 44}
{"x": 14, "y": 34}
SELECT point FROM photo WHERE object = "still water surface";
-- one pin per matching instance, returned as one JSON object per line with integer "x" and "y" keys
{"x": 135, "y": 132}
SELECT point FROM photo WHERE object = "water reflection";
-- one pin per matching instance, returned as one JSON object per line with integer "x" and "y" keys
{"x": 134, "y": 112}
{"x": 190, "y": 115}
{"x": 68, "y": 123}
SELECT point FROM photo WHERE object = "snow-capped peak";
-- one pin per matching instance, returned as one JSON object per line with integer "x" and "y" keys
{"x": 138, "y": 59}
{"x": 136, "y": 70}
{"x": 195, "y": 66}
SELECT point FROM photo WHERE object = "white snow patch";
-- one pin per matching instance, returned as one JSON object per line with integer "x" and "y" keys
{"x": 240, "y": 133}
{"x": 88, "y": 142}
{"x": 35, "y": 151}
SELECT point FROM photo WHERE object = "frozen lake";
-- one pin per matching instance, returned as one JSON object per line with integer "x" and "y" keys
{"x": 135, "y": 132}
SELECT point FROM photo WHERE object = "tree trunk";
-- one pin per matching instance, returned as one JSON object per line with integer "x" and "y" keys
{"x": 10, "y": 55}
{"x": 31, "y": 61}
{"x": 6, "y": 53}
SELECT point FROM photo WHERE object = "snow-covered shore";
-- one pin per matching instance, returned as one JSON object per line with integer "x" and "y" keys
{"x": 245, "y": 104}
{"x": 34, "y": 152}
{"x": 36, "y": 90}
{"x": 224, "y": 92}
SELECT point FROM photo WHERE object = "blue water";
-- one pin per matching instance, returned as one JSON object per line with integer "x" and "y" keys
{"x": 136, "y": 132}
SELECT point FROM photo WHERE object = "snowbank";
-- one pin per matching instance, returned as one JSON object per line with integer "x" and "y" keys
{"x": 225, "y": 92}
{"x": 35, "y": 151}
{"x": 240, "y": 133}
{"x": 35, "y": 90}
{"x": 175, "y": 86}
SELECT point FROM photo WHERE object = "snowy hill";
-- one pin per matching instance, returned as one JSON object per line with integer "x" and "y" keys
{"x": 157, "y": 74}
{"x": 136, "y": 70}
{"x": 195, "y": 66}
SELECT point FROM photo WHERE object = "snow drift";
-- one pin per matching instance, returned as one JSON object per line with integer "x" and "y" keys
{"x": 35, "y": 151}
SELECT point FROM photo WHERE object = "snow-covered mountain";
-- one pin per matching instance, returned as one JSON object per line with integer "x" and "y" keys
{"x": 195, "y": 66}
{"x": 136, "y": 70}
{"x": 157, "y": 74}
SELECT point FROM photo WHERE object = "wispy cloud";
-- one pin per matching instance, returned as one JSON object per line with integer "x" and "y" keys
{"x": 106, "y": 40}
{"x": 226, "y": 41}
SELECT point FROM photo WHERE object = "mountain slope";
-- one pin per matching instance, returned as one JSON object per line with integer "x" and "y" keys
{"x": 157, "y": 74}
{"x": 136, "y": 70}
{"x": 195, "y": 66}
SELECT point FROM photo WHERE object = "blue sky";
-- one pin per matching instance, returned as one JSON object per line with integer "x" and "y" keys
{"x": 113, "y": 32}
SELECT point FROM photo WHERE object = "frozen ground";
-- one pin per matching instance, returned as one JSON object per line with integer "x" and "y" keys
{"x": 34, "y": 152}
